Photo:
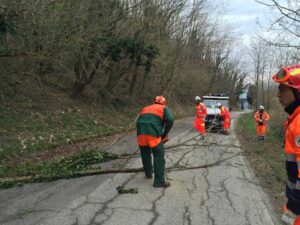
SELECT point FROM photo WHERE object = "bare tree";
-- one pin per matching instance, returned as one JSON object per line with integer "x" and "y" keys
{"x": 284, "y": 23}
{"x": 128, "y": 48}
{"x": 259, "y": 59}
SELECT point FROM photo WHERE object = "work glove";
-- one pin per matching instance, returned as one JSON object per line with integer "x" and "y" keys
{"x": 289, "y": 218}
{"x": 164, "y": 138}
{"x": 260, "y": 122}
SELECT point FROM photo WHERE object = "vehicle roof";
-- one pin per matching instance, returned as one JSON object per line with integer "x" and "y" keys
{"x": 215, "y": 97}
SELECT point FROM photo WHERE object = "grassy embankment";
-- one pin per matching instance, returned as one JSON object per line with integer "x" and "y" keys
{"x": 266, "y": 157}
{"x": 46, "y": 144}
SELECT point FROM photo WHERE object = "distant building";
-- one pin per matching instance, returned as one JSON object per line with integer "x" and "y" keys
{"x": 243, "y": 98}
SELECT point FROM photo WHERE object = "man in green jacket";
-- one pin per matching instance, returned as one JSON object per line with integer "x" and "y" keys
{"x": 153, "y": 125}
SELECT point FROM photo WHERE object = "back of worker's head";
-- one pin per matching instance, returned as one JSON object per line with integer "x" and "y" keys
{"x": 160, "y": 100}
{"x": 197, "y": 99}
{"x": 219, "y": 105}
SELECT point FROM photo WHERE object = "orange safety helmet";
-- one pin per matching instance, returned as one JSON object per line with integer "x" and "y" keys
{"x": 289, "y": 76}
{"x": 160, "y": 100}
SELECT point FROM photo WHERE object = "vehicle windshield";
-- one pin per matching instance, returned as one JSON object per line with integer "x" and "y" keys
{"x": 212, "y": 103}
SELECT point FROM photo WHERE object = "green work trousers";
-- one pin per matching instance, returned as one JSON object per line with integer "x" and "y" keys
{"x": 158, "y": 162}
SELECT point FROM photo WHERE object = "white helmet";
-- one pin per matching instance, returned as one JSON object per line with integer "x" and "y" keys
{"x": 197, "y": 98}
{"x": 219, "y": 104}
{"x": 261, "y": 107}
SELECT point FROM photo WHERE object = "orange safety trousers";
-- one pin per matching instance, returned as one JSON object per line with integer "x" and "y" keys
{"x": 199, "y": 125}
{"x": 226, "y": 123}
{"x": 148, "y": 140}
{"x": 226, "y": 117}
{"x": 261, "y": 130}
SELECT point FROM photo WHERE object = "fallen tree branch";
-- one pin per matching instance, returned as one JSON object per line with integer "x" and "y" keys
{"x": 28, "y": 179}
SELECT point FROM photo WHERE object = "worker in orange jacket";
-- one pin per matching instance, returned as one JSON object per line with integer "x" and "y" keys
{"x": 201, "y": 112}
{"x": 153, "y": 125}
{"x": 225, "y": 114}
{"x": 289, "y": 97}
{"x": 261, "y": 117}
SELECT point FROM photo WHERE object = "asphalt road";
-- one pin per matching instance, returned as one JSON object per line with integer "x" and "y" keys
{"x": 222, "y": 191}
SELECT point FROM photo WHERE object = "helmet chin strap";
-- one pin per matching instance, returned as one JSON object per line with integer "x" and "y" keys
{"x": 292, "y": 107}
{"x": 296, "y": 93}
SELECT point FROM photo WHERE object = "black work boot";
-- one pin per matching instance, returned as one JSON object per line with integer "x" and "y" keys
{"x": 226, "y": 132}
{"x": 165, "y": 185}
{"x": 202, "y": 137}
{"x": 261, "y": 138}
{"x": 148, "y": 175}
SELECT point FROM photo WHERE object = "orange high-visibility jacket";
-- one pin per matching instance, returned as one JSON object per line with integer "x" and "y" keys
{"x": 264, "y": 117}
{"x": 226, "y": 117}
{"x": 201, "y": 111}
{"x": 292, "y": 152}
{"x": 153, "y": 122}
{"x": 225, "y": 113}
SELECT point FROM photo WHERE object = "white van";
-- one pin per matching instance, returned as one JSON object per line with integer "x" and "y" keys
{"x": 212, "y": 120}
